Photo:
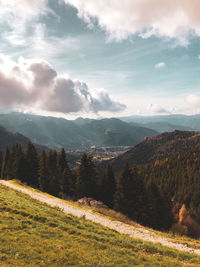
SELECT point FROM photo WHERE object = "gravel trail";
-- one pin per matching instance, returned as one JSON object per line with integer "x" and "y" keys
{"x": 120, "y": 227}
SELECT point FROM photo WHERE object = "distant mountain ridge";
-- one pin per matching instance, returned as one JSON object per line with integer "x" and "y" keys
{"x": 159, "y": 147}
{"x": 79, "y": 134}
{"x": 162, "y": 126}
{"x": 8, "y": 139}
{"x": 174, "y": 121}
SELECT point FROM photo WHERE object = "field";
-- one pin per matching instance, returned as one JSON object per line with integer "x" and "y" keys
{"x": 34, "y": 234}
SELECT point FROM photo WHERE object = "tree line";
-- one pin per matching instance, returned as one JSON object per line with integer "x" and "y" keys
{"x": 126, "y": 192}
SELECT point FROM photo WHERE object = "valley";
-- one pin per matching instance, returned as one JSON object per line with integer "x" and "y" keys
{"x": 158, "y": 177}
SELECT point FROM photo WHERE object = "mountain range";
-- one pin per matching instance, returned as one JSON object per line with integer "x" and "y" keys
{"x": 78, "y": 134}
{"x": 166, "y": 122}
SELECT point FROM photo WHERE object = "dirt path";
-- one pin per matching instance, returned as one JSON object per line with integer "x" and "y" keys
{"x": 120, "y": 227}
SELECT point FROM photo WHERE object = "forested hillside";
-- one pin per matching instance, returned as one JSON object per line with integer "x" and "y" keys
{"x": 159, "y": 147}
{"x": 178, "y": 177}
{"x": 125, "y": 192}
{"x": 151, "y": 193}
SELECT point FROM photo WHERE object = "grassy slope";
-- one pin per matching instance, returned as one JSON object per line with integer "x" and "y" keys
{"x": 33, "y": 234}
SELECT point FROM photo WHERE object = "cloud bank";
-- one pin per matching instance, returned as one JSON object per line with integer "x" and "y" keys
{"x": 35, "y": 84}
{"x": 169, "y": 19}
{"x": 157, "y": 109}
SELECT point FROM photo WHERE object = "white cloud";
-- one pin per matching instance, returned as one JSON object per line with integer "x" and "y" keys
{"x": 193, "y": 100}
{"x": 16, "y": 16}
{"x": 157, "y": 109}
{"x": 24, "y": 9}
{"x": 160, "y": 65}
{"x": 169, "y": 19}
{"x": 34, "y": 83}
{"x": 198, "y": 56}
{"x": 42, "y": 43}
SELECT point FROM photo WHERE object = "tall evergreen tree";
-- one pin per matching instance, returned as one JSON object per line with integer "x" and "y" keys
{"x": 122, "y": 184}
{"x": 108, "y": 186}
{"x": 131, "y": 196}
{"x": 1, "y": 160}
{"x": 6, "y": 164}
{"x": 68, "y": 182}
{"x": 62, "y": 161}
{"x": 43, "y": 172}
{"x": 62, "y": 166}
{"x": 86, "y": 182}
{"x": 160, "y": 206}
{"x": 32, "y": 164}
{"x": 19, "y": 165}
{"x": 53, "y": 176}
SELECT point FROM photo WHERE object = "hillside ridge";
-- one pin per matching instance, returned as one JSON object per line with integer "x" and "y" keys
{"x": 159, "y": 147}
{"x": 132, "y": 231}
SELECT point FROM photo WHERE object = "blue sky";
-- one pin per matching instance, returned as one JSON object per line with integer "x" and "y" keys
{"x": 85, "y": 58}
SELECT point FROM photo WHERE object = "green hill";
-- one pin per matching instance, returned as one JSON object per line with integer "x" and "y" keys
{"x": 34, "y": 234}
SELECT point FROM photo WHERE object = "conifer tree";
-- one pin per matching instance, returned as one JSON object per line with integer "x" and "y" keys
{"x": 32, "y": 164}
{"x": 62, "y": 161}
{"x": 131, "y": 196}
{"x": 68, "y": 182}
{"x": 1, "y": 160}
{"x": 53, "y": 176}
{"x": 122, "y": 183}
{"x": 19, "y": 165}
{"x": 161, "y": 210}
{"x": 86, "y": 182}
{"x": 62, "y": 166}
{"x": 43, "y": 172}
{"x": 6, "y": 164}
{"x": 108, "y": 186}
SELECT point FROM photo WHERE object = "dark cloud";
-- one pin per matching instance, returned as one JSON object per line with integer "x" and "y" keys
{"x": 65, "y": 97}
{"x": 43, "y": 74}
{"x": 12, "y": 92}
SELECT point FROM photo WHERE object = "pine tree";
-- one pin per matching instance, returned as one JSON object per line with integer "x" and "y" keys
{"x": 108, "y": 186}
{"x": 62, "y": 161}
{"x": 1, "y": 160}
{"x": 161, "y": 210}
{"x": 32, "y": 164}
{"x": 19, "y": 165}
{"x": 131, "y": 196}
{"x": 122, "y": 183}
{"x": 86, "y": 182}
{"x": 6, "y": 164}
{"x": 62, "y": 166}
{"x": 68, "y": 182}
{"x": 53, "y": 175}
{"x": 43, "y": 172}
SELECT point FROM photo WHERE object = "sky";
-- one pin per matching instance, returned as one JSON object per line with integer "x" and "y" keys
{"x": 100, "y": 58}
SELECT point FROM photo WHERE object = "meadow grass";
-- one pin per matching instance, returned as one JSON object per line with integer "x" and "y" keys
{"x": 34, "y": 234}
